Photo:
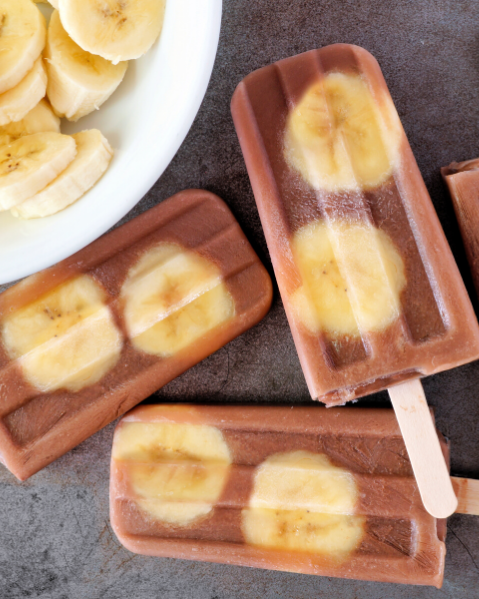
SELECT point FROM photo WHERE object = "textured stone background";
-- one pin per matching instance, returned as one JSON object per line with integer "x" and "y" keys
{"x": 56, "y": 540}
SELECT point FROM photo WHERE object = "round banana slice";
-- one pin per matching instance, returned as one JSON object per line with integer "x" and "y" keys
{"x": 339, "y": 137}
{"x": 22, "y": 39}
{"x": 171, "y": 298}
{"x": 93, "y": 157}
{"x": 352, "y": 277}
{"x": 78, "y": 82}
{"x": 40, "y": 119}
{"x": 17, "y": 102}
{"x": 302, "y": 502}
{"x": 177, "y": 471}
{"x": 66, "y": 339}
{"x": 30, "y": 163}
{"x": 114, "y": 29}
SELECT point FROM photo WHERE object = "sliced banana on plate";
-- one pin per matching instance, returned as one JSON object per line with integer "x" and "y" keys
{"x": 352, "y": 277}
{"x": 117, "y": 30}
{"x": 171, "y": 298}
{"x": 177, "y": 471}
{"x": 17, "y": 102}
{"x": 30, "y": 163}
{"x": 22, "y": 39}
{"x": 78, "y": 82}
{"x": 340, "y": 137}
{"x": 302, "y": 502}
{"x": 66, "y": 339}
{"x": 40, "y": 119}
{"x": 93, "y": 157}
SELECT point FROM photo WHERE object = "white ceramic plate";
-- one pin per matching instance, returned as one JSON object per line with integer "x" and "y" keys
{"x": 146, "y": 121}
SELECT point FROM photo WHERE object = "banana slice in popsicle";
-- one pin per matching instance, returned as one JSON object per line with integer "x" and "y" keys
{"x": 172, "y": 297}
{"x": 177, "y": 471}
{"x": 66, "y": 339}
{"x": 302, "y": 502}
{"x": 340, "y": 137}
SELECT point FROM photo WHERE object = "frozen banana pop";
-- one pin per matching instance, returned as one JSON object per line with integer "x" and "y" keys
{"x": 311, "y": 490}
{"x": 370, "y": 287}
{"x": 86, "y": 340}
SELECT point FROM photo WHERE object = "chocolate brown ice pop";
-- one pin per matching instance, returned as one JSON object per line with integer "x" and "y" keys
{"x": 312, "y": 490}
{"x": 86, "y": 340}
{"x": 462, "y": 179}
{"x": 370, "y": 287}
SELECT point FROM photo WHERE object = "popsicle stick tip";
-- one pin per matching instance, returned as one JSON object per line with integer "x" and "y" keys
{"x": 424, "y": 449}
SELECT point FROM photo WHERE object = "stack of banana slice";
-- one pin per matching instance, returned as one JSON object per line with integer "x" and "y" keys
{"x": 78, "y": 64}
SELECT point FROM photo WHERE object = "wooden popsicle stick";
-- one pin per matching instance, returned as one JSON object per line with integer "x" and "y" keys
{"x": 467, "y": 491}
{"x": 424, "y": 449}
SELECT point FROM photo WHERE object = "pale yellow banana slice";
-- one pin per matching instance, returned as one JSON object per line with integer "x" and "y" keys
{"x": 340, "y": 137}
{"x": 66, "y": 339}
{"x": 114, "y": 29}
{"x": 352, "y": 278}
{"x": 93, "y": 157}
{"x": 78, "y": 82}
{"x": 302, "y": 502}
{"x": 22, "y": 39}
{"x": 30, "y": 163}
{"x": 173, "y": 297}
{"x": 40, "y": 119}
{"x": 178, "y": 471}
{"x": 17, "y": 102}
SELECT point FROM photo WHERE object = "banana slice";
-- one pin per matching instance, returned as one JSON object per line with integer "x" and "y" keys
{"x": 40, "y": 119}
{"x": 93, "y": 157}
{"x": 66, "y": 339}
{"x": 17, "y": 102}
{"x": 302, "y": 502}
{"x": 352, "y": 276}
{"x": 78, "y": 82}
{"x": 339, "y": 137}
{"x": 173, "y": 297}
{"x": 22, "y": 39}
{"x": 114, "y": 29}
{"x": 30, "y": 163}
{"x": 177, "y": 471}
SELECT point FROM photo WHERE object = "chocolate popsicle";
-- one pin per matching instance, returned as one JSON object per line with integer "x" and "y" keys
{"x": 462, "y": 179}
{"x": 370, "y": 287}
{"x": 86, "y": 340}
{"x": 311, "y": 490}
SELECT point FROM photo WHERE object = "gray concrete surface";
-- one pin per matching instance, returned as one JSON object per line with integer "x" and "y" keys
{"x": 56, "y": 540}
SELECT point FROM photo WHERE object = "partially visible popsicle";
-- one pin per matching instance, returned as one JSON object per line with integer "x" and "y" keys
{"x": 86, "y": 340}
{"x": 370, "y": 287}
{"x": 462, "y": 179}
{"x": 327, "y": 492}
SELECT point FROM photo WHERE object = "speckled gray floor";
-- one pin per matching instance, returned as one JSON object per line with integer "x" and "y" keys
{"x": 56, "y": 541}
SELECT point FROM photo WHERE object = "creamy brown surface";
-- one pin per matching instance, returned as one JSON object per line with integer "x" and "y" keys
{"x": 462, "y": 179}
{"x": 436, "y": 328}
{"x": 400, "y": 541}
{"x": 36, "y": 428}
